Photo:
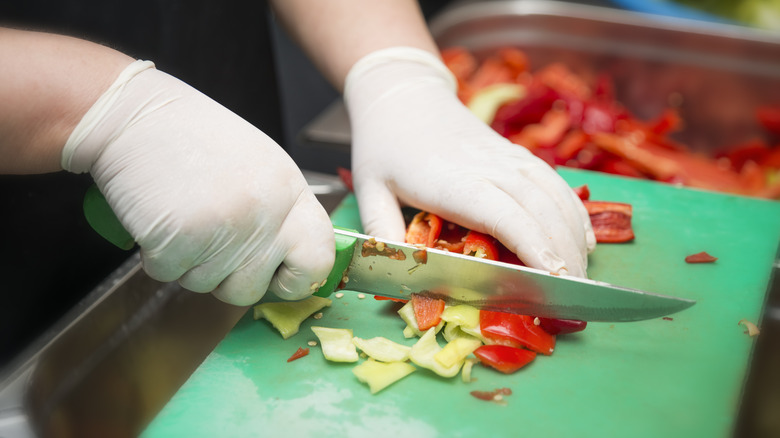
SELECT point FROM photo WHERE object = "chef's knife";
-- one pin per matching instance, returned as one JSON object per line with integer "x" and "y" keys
{"x": 398, "y": 270}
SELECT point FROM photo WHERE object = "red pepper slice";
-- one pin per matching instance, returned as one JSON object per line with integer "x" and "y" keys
{"x": 424, "y": 229}
{"x": 611, "y": 221}
{"x": 701, "y": 257}
{"x": 583, "y": 192}
{"x": 515, "y": 331}
{"x": 480, "y": 245}
{"x": 397, "y": 300}
{"x": 298, "y": 354}
{"x": 427, "y": 311}
{"x": 504, "y": 358}
{"x": 346, "y": 177}
{"x": 556, "y": 326}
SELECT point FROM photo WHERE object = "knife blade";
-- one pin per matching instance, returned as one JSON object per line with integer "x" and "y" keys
{"x": 398, "y": 270}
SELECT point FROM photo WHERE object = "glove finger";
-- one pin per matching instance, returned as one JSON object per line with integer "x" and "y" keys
{"x": 310, "y": 256}
{"x": 495, "y": 212}
{"x": 168, "y": 262}
{"x": 380, "y": 211}
{"x": 248, "y": 284}
{"x": 590, "y": 236}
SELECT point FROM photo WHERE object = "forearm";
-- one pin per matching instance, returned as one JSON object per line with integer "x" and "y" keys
{"x": 337, "y": 33}
{"x": 47, "y": 83}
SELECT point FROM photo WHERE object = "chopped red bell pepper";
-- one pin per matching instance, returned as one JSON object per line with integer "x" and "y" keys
{"x": 480, "y": 245}
{"x": 427, "y": 311}
{"x": 701, "y": 257}
{"x": 397, "y": 300}
{"x": 298, "y": 354}
{"x": 611, "y": 221}
{"x": 556, "y": 326}
{"x": 504, "y": 358}
{"x": 769, "y": 117}
{"x": 424, "y": 229}
{"x": 515, "y": 330}
{"x": 583, "y": 192}
{"x": 346, "y": 177}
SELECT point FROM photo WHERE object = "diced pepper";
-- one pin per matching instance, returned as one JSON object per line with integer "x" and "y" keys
{"x": 480, "y": 245}
{"x": 485, "y": 102}
{"x": 423, "y": 352}
{"x": 382, "y": 349}
{"x": 379, "y": 375}
{"x": 556, "y": 326}
{"x": 611, "y": 221}
{"x": 427, "y": 311}
{"x": 336, "y": 344}
{"x": 515, "y": 330}
{"x": 455, "y": 351}
{"x": 287, "y": 316}
{"x": 346, "y": 177}
{"x": 504, "y": 358}
{"x": 701, "y": 257}
{"x": 298, "y": 354}
{"x": 583, "y": 192}
{"x": 412, "y": 329}
{"x": 424, "y": 229}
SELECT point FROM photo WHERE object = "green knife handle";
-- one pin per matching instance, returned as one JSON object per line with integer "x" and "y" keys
{"x": 345, "y": 248}
{"x": 103, "y": 220}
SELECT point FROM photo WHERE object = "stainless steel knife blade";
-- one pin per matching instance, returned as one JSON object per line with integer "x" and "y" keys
{"x": 397, "y": 270}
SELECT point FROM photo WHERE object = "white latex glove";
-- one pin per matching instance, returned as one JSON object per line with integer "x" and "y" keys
{"x": 414, "y": 143}
{"x": 213, "y": 202}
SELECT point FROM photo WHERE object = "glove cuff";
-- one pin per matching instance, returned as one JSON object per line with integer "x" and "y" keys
{"x": 391, "y": 55}
{"x": 78, "y": 157}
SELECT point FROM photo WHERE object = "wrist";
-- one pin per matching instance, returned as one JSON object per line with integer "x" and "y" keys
{"x": 83, "y": 147}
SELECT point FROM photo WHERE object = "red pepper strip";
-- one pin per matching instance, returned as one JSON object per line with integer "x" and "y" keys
{"x": 397, "y": 300}
{"x": 515, "y": 331}
{"x": 547, "y": 133}
{"x": 583, "y": 192}
{"x": 558, "y": 77}
{"x": 298, "y": 354}
{"x": 346, "y": 178}
{"x": 504, "y": 358}
{"x": 668, "y": 121}
{"x": 480, "y": 245}
{"x": 701, "y": 257}
{"x": 427, "y": 311}
{"x": 611, "y": 221}
{"x": 555, "y": 326}
{"x": 512, "y": 117}
{"x": 424, "y": 229}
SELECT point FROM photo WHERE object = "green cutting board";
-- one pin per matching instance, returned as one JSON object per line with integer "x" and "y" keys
{"x": 678, "y": 377}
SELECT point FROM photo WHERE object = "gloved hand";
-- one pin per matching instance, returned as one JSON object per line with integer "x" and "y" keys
{"x": 212, "y": 202}
{"x": 414, "y": 143}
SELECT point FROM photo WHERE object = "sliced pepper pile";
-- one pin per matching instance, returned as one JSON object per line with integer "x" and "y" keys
{"x": 568, "y": 121}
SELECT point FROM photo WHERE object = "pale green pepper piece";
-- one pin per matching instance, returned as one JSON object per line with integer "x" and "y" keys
{"x": 380, "y": 375}
{"x": 287, "y": 316}
{"x": 336, "y": 344}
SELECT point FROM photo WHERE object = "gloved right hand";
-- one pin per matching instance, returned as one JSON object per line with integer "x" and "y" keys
{"x": 212, "y": 202}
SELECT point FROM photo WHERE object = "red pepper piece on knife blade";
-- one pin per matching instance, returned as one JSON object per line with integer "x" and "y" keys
{"x": 611, "y": 221}
{"x": 701, "y": 257}
{"x": 515, "y": 331}
{"x": 504, "y": 358}
{"x": 427, "y": 311}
